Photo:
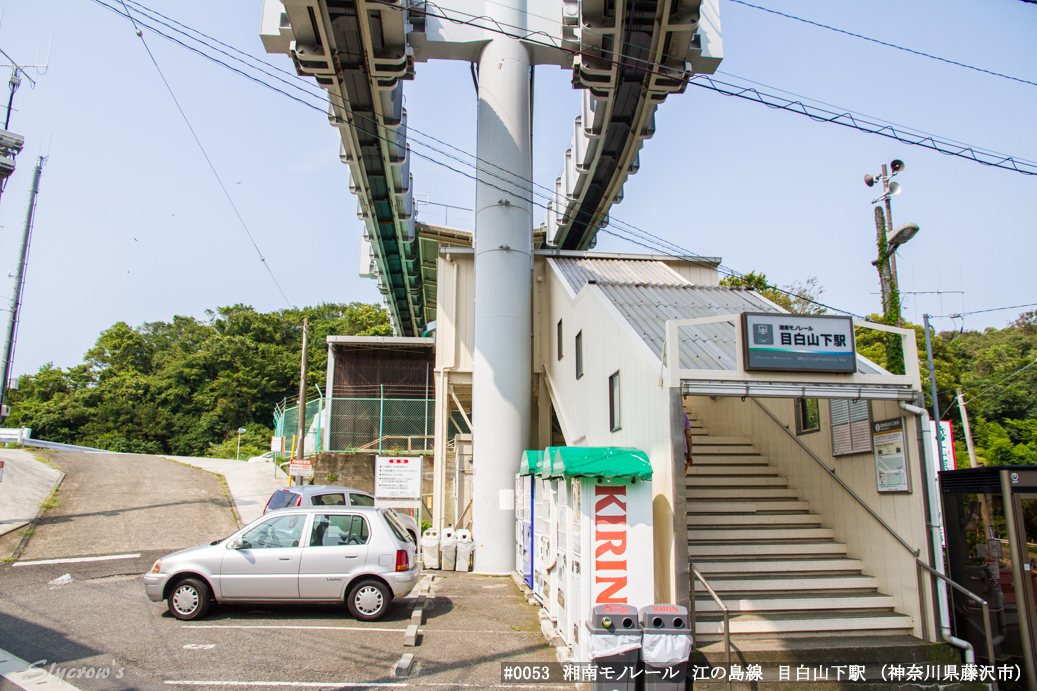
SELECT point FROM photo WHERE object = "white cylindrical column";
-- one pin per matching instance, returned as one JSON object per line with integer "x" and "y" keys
{"x": 501, "y": 376}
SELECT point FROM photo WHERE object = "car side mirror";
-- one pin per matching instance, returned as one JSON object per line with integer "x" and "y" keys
{"x": 235, "y": 543}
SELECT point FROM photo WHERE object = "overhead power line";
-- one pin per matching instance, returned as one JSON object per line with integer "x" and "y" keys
{"x": 197, "y": 141}
{"x": 886, "y": 43}
{"x": 958, "y": 315}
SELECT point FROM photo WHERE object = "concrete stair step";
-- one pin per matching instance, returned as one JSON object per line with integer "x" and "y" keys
{"x": 770, "y": 625}
{"x": 698, "y": 432}
{"x": 765, "y": 583}
{"x": 714, "y": 461}
{"x": 706, "y": 447}
{"x": 738, "y": 567}
{"x": 698, "y": 551}
{"x": 735, "y": 481}
{"x": 744, "y": 495}
{"x": 729, "y": 470}
{"x": 774, "y": 534}
{"x": 792, "y": 603}
{"x": 728, "y": 441}
{"x": 756, "y": 519}
{"x": 737, "y": 507}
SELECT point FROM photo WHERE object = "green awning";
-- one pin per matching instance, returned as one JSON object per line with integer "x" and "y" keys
{"x": 529, "y": 464}
{"x": 600, "y": 461}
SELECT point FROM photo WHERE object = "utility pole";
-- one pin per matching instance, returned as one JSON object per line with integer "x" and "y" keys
{"x": 984, "y": 499}
{"x": 301, "y": 444}
{"x": 19, "y": 285}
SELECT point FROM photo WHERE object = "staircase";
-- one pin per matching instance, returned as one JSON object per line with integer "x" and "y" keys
{"x": 779, "y": 572}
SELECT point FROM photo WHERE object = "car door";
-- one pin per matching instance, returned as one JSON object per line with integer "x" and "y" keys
{"x": 267, "y": 565}
{"x": 337, "y": 550}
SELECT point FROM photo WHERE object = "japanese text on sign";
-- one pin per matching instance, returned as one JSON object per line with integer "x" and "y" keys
{"x": 397, "y": 477}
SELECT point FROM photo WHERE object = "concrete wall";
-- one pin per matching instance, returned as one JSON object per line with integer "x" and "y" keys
{"x": 883, "y": 556}
{"x": 582, "y": 405}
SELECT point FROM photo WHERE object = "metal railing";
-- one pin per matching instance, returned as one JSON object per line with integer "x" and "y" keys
{"x": 914, "y": 552}
{"x": 723, "y": 608}
{"x": 986, "y": 608}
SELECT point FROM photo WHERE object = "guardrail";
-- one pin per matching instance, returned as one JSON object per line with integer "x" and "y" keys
{"x": 727, "y": 618}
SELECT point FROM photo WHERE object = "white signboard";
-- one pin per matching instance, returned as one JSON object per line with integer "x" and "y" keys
{"x": 948, "y": 462}
{"x": 397, "y": 477}
{"x": 890, "y": 455}
{"x": 277, "y": 444}
{"x": 301, "y": 467}
{"x": 794, "y": 343}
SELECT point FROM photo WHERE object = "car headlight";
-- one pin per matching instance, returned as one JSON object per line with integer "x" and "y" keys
{"x": 157, "y": 566}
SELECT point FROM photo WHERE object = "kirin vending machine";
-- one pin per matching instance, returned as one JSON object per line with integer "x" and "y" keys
{"x": 593, "y": 535}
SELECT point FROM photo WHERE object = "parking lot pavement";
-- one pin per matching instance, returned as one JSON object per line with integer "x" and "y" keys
{"x": 123, "y": 503}
{"x": 26, "y": 484}
{"x": 98, "y": 617}
{"x": 250, "y": 484}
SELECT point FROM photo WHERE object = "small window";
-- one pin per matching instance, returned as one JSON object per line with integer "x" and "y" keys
{"x": 328, "y": 500}
{"x": 808, "y": 416}
{"x": 361, "y": 500}
{"x": 285, "y": 22}
{"x": 559, "y": 339}
{"x": 614, "y": 422}
{"x": 330, "y": 530}
{"x": 851, "y": 426}
{"x": 579, "y": 355}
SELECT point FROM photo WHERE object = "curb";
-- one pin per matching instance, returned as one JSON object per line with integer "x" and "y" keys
{"x": 34, "y": 522}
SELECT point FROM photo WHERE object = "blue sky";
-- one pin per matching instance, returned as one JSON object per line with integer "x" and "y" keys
{"x": 132, "y": 226}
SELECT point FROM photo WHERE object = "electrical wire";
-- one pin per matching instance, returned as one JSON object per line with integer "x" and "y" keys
{"x": 1005, "y": 378}
{"x": 958, "y": 315}
{"x": 626, "y": 231}
{"x": 223, "y": 187}
{"x": 885, "y": 43}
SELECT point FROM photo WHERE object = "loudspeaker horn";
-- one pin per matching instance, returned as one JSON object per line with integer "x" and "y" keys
{"x": 897, "y": 165}
{"x": 894, "y": 188}
{"x": 869, "y": 180}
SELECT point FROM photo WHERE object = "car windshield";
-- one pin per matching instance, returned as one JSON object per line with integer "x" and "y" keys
{"x": 397, "y": 529}
{"x": 281, "y": 499}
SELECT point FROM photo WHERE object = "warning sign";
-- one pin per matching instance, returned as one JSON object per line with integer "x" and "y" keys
{"x": 397, "y": 477}
{"x": 301, "y": 467}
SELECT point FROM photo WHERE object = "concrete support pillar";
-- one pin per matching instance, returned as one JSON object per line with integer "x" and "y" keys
{"x": 439, "y": 456}
{"x": 501, "y": 375}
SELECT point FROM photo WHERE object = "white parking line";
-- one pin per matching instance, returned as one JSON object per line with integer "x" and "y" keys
{"x": 76, "y": 560}
{"x": 309, "y": 684}
{"x": 286, "y": 626}
{"x": 21, "y": 673}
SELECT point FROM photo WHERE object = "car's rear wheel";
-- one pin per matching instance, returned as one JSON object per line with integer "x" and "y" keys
{"x": 189, "y": 599}
{"x": 369, "y": 600}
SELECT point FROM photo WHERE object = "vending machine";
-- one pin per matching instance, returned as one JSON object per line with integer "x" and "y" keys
{"x": 596, "y": 536}
{"x": 524, "y": 482}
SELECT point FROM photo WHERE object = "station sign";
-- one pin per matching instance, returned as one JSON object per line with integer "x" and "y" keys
{"x": 397, "y": 477}
{"x": 778, "y": 342}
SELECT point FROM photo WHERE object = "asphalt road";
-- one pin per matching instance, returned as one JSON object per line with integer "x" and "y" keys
{"x": 118, "y": 503}
{"x": 95, "y": 616}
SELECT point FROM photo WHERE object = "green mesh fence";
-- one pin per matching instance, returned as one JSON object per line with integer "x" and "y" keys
{"x": 286, "y": 425}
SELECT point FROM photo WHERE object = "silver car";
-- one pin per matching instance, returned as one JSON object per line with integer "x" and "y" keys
{"x": 359, "y": 555}
{"x": 330, "y": 495}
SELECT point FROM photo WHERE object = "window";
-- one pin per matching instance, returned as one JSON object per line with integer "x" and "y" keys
{"x": 808, "y": 416}
{"x": 328, "y": 500}
{"x": 579, "y": 355}
{"x": 280, "y": 531}
{"x": 361, "y": 500}
{"x": 559, "y": 339}
{"x": 330, "y": 530}
{"x": 851, "y": 426}
{"x": 281, "y": 499}
{"x": 614, "y": 402}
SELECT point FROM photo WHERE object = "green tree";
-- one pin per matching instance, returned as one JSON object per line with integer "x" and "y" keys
{"x": 797, "y": 297}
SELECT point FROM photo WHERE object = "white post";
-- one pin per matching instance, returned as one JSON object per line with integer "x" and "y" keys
{"x": 502, "y": 370}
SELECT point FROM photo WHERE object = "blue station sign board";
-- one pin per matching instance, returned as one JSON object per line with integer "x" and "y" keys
{"x": 776, "y": 342}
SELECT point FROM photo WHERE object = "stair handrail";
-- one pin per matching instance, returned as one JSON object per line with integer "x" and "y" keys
{"x": 969, "y": 594}
{"x": 723, "y": 608}
{"x": 914, "y": 552}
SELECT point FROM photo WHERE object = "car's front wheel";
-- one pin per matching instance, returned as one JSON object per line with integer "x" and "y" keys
{"x": 369, "y": 600}
{"x": 189, "y": 599}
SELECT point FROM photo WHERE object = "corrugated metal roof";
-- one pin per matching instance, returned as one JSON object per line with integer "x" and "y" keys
{"x": 706, "y": 346}
{"x": 579, "y": 270}
{"x": 648, "y": 293}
